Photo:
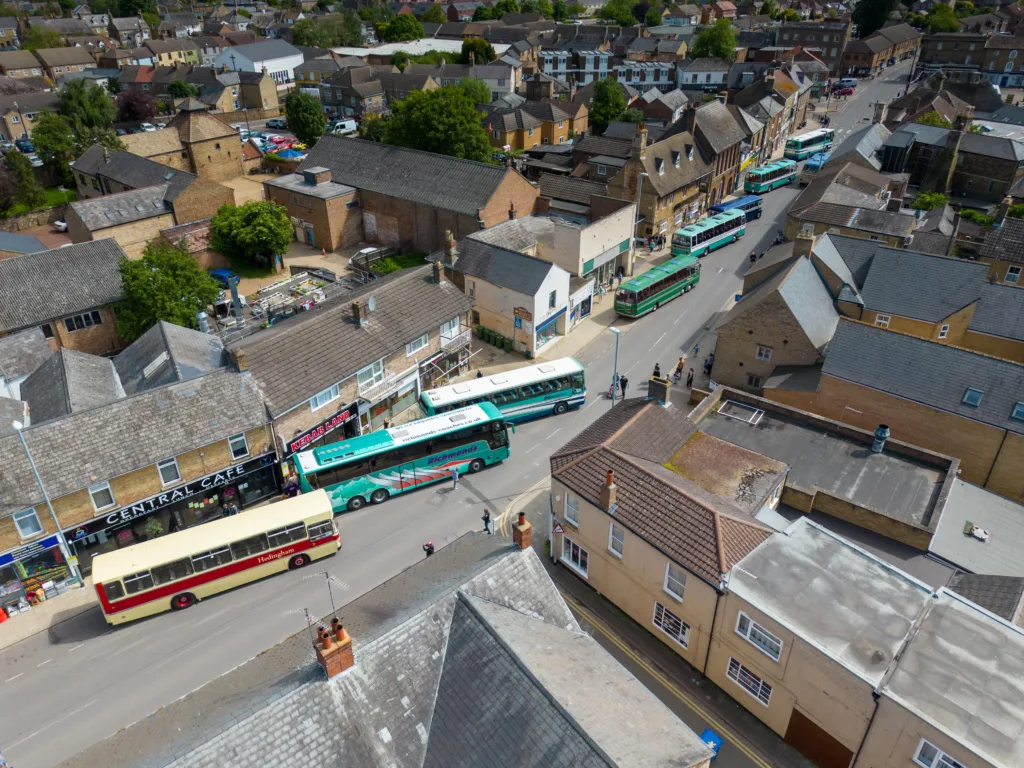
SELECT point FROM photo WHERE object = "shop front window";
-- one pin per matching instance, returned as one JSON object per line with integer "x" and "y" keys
{"x": 27, "y": 523}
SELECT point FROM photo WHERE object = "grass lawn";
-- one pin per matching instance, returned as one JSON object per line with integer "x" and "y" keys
{"x": 53, "y": 197}
{"x": 400, "y": 261}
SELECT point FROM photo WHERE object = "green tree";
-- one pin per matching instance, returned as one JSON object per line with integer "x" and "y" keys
{"x": 619, "y": 11}
{"x": 151, "y": 19}
{"x": 632, "y": 116}
{"x": 608, "y": 103}
{"x": 434, "y": 15}
{"x": 1016, "y": 211}
{"x": 545, "y": 9}
{"x": 790, "y": 15}
{"x": 253, "y": 232}
{"x": 528, "y": 6}
{"x": 653, "y": 17}
{"x": 378, "y": 13}
{"x": 400, "y": 59}
{"x": 54, "y": 141}
{"x": 351, "y": 29}
{"x": 560, "y": 11}
{"x": 8, "y": 190}
{"x": 482, "y": 13}
{"x": 133, "y": 106}
{"x": 942, "y": 19}
{"x": 483, "y": 51}
{"x": 86, "y": 105}
{"x": 444, "y": 121}
{"x": 240, "y": 12}
{"x": 373, "y": 128}
{"x": 127, "y": 8}
{"x": 933, "y": 118}
{"x": 305, "y": 117}
{"x": 576, "y": 9}
{"x": 165, "y": 284}
{"x": 179, "y": 89}
{"x": 505, "y": 6}
{"x": 405, "y": 27}
{"x": 770, "y": 8}
{"x": 477, "y": 90}
{"x": 926, "y": 201}
{"x": 871, "y": 15}
{"x": 718, "y": 41}
{"x": 29, "y": 193}
{"x": 979, "y": 218}
{"x": 41, "y": 37}
{"x": 316, "y": 33}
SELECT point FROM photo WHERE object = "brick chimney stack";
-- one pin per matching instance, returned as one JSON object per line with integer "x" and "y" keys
{"x": 511, "y": 210}
{"x": 360, "y": 312}
{"x": 1004, "y": 207}
{"x": 522, "y": 532}
{"x": 453, "y": 249}
{"x": 803, "y": 244}
{"x": 609, "y": 491}
{"x": 241, "y": 361}
{"x": 334, "y": 649}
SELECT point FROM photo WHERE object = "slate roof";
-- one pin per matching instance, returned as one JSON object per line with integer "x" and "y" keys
{"x": 23, "y": 352}
{"x": 99, "y": 213}
{"x": 408, "y": 303}
{"x": 926, "y": 372}
{"x": 18, "y": 60}
{"x": 1005, "y": 243}
{"x": 865, "y": 143}
{"x": 73, "y": 451}
{"x": 502, "y": 267}
{"x": 674, "y": 163}
{"x": 1000, "y": 312}
{"x": 150, "y": 143}
{"x": 184, "y": 354}
{"x": 195, "y": 125}
{"x": 707, "y": 64}
{"x": 570, "y": 188}
{"x": 265, "y": 50}
{"x": 39, "y": 287}
{"x": 410, "y": 174}
{"x": 600, "y": 145}
{"x": 717, "y": 126}
{"x": 1002, "y": 595}
{"x": 128, "y": 170}
{"x": 510, "y": 120}
{"x": 69, "y": 382}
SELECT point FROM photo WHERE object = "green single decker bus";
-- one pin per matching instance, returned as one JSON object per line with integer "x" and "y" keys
{"x": 710, "y": 233}
{"x": 805, "y": 145}
{"x": 646, "y": 292}
{"x": 777, "y": 173}
{"x": 372, "y": 468}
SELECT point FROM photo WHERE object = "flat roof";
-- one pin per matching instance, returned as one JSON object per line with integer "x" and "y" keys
{"x": 999, "y": 554}
{"x": 961, "y": 672}
{"x": 414, "y": 48}
{"x": 296, "y": 182}
{"x": 889, "y": 484}
{"x": 851, "y": 606}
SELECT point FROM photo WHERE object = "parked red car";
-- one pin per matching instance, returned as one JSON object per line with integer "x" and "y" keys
{"x": 845, "y": 92}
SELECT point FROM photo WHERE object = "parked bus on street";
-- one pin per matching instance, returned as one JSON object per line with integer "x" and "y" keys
{"x": 373, "y": 467}
{"x": 523, "y": 393}
{"x": 769, "y": 176}
{"x": 749, "y": 204}
{"x": 646, "y": 292}
{"x": 814, "y": 164}
{"x": 175, "y": 571}
{"x": 801, "y": 147}
{"x": 708, "y": 234}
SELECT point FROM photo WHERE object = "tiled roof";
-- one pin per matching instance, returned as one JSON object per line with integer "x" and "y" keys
{"x": 23, "y": 352}
{"x": 569, "y": 188}
{"x": 926, "y": 372}
{"x": 1005, "y": 243}
{"x": 706, "y": 64}
{"x": 199, "y": 125}
{"x": 18, "y": 60}
{"x": 70, "y": 382}
{"x": 99, "y": 213}
{"x": 410, "y": 174}
{"x": 264, "y": 50}
{"x": 1000, "y": 312}
{"x": 1002, "y": 595}
{"x": 515, "y": 271}
{"x": 408, "y": 304}
{"x": 151, "y": 143}
{"x": 928, "y": 288}
{"x": 510, "y": 120}
{"x": 63, "y": 56}
{"x": 184, "y": 354}
{"x": 599, "y": 145}
{"x": 52, "y": 284}
{"x": 675, "y": 163}
{"x": 126, "y": 169}
{"x": 717, "y": 126}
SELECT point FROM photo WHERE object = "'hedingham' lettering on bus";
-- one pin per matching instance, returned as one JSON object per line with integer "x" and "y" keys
{"x": 453, "y": 455}
{"x": 267, "y": 558}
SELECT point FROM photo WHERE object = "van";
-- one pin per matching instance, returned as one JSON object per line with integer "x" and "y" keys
{"x": 343, "y": 127}
{"x": 848, "y": 82}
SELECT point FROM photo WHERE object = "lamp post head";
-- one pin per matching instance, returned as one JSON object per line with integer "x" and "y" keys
{"x": 614, "y": 330}
{"x": 18, "y": 426}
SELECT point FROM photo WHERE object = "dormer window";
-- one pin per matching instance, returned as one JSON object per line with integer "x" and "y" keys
{"x": 675, "y": 158}
{"x": 659, "y": 166}
{"x": 689, "y": 153}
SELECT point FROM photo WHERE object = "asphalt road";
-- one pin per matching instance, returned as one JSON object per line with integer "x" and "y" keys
{"x": 65, "y": 690}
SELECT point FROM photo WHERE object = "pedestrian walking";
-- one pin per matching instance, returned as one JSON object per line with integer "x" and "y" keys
{"x": 429, "y": 548}
{"x": 696, "y": 350}
{"x": 455, "y": 478}
{"x": 487, "y": 521}
{"x": 623, "y": 383}
{"x": 479, "y": 374}
{"x": 679, "y": 370}
{"x": 689, "y": 379}
{"x": 657, "y": 371}
{"x": 708, "y": 363}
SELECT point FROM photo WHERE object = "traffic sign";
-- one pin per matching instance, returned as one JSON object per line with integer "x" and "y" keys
{"x": 557, "y": 528}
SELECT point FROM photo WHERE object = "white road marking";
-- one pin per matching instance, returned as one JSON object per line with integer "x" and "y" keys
{"x": 44, "y": 663}
{"x": 593, "y": 403}
{"x": 680, "y": 317}
{"x": 72, "y": 650}
{"x": 65, "y": 717}
{"x": 532, "y": 449}
{"x": 14, "y": 678}
{"x": 554, "y": 433}
{"x": 657, "y": 342}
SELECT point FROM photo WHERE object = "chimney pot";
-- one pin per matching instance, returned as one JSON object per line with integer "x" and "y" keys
{"x": 325, "y": 638}
{"x": 438, "y": 267}
{"x": 241, "y": 360}
{"x": 335, "y": 657}
{"x": 881, "y": 435}
{"x": 609, "y": 491}
{"x": 522, "y": 532}
{"x": 360, "y": 311}
{"x": 609, "y": 479}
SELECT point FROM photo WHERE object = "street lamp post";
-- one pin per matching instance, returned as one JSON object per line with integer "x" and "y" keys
{"x": 615, "y": 365}
{"x": 241, "y": 92}
{"x": 18, "y": 427}
{"x": 639, "y": 198}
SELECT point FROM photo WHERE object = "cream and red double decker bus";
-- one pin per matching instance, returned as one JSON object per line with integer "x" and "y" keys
{"x": 179, "y": 569}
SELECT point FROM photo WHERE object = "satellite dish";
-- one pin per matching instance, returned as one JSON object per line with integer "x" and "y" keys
{"x": 371, "y": 303}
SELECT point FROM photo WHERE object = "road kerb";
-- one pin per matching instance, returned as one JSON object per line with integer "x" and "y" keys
{"x": 503, "y": 525}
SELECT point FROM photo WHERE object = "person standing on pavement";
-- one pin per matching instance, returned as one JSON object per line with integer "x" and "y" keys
{"x": 455, "y": 479}
{"x": 623, "y": 383}
{"x": 689, "y": 379}
{"x": 487, "y": 521}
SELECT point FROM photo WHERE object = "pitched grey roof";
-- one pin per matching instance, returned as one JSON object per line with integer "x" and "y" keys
{"x": 926, "y": 372}
{"x": 408, "y": 174}
{"x": 99, "y": 213}
{"x": 408, "y": 304}
{"x": 128, "y": 170}
{"x": 39, "y": 287}
{"x": 1005, "y": 243}
{"x": 570, "y": 188}
{"x": 266, "y": 49}
{"x": 717, "y": 126}
{"x": 855, "y": 252}
{"x": 72, "y": 452}
{"x": 1001, "y": 595}
{"x": 707, "y": 64}
{"x": 601, "y": 145}
{"x": 929, "y": 288}
{"x": 499, "y": 266}
{"x": 183, "y": 354}
{"x": 1000, "y": 312}
{"x": 69, "y": 382}
{"x": 865, "y": 142}
{"x": 21, "y": 353}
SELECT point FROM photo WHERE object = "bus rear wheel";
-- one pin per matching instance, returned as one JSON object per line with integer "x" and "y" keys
{"x": 476, "y": 465}
{"x": 379, "y": 496}
{"x": 355, "y": 503}
{"x": 561, "y": 408}
{"x": 298, "y": 562}
{"x": 182, "y": 601}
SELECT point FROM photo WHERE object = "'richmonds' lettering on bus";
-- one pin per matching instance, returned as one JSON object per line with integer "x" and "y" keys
{"x": 274, "y": 556}
{"x": 453, "y": 455}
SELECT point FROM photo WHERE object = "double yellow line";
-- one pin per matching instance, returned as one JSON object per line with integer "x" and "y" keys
{"x": 671, "y": 687}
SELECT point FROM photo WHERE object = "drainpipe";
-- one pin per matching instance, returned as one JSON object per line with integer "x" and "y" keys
{"x": 711, "y": 633}
{"x": 871, "y": 721}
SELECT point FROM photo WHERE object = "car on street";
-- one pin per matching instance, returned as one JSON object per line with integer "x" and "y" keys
{"x": 36, "y": 162}
{"x": 121, "y": 132}
{"x": 342, "y": 127}
{"x": 24, "y": 145}
{"x": 223, "y": 277}
{"x": 845, "y": 91}
{"x": 6, "y": 146}
{"x": 161, "y": 125}
{"x": 277, "y": 122}
{"x": 147, "y": 127}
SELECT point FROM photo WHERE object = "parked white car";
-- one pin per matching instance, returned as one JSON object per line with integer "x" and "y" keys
{"x": 147, "y": 127}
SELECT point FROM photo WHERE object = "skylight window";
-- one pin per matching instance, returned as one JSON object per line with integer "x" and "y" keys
{"x": 972, "y": 397}
{"x": 1018, "y": 411}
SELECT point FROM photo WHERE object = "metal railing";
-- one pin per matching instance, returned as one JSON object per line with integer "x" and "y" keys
{"x": 457, "y": 341}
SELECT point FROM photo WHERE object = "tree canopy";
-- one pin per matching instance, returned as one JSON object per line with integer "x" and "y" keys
{"x": 926, "y": 201}
{"x": 86, "y": 105}
{"x": 372, "y": 128}
{"x": 434, "y": 15}
{"x": 58, "y": 142}
{"x": 305, "y": 117}
{"x": 404, "y": 27}
{"x": 252, "y": 232}
{"x": 871, "y": 15}
{"x": 608, "y": 103}
{"x": 483, "y": 51}
{"x": 134, "y": 106}
{"x": 477, "y": 90}
{"x": 127, "y": 8}
{"x": 29, "y": 193}
{"x": 179, "y": 89}
{"x": 444, "y": 121}
{"x": 165, "y": 284}
{"x": 942, "y": 19}
{"x": 41, "y": 37}
{"x": 326, "y": 33}
{"x": 619, "y": 11}
{"x": 718, "y": 41}
{"x": 933, "y": 118}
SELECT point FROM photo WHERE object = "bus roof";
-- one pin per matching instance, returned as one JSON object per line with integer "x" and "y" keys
{"x": 710, "y": 221}
{"x": 474, "y": 388}
{"x": 774, "y": 165}
{"x": 818, "y": 158}
{"x": 404, "y": 434}
{"x": 737, "y": 203}
{"x": 817, "y": 133}
{"x": 654, "y": 274}
{"x": 110, "y": 566}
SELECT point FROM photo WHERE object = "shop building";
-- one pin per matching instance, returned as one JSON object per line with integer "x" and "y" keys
{"x": 353, "y": 365}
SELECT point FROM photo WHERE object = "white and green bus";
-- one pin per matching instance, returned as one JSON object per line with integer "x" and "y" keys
{"x": 523, "y": 393}
{"x": 374, "y": 467}
{"x": 708, "y": 234}
{"x": 769, "y": 176}
{"x": 646, "y": 292}
{"x": 800, "y": 147}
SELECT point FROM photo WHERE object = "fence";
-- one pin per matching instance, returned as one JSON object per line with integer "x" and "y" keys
{"x": 363, "y": 261}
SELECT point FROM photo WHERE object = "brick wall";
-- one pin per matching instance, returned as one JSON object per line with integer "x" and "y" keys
{"x": 131, "y": 237}
{"x": 201, "y": 200}
{"x": 513, "y": 189}
{"x": 100, "y": 339}
{"x": 335, "y": 225}
{"x": 217, "y": 159}
{"x": 997, "y": 346}
{"x": 34, "y": 219}
{"x": 176, "y": 159}
{"x": 989, "y": 178}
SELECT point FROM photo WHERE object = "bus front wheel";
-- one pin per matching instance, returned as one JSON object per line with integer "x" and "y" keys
{"x": 476, "y": 465}
{"x": 298, "y": 562}
{"x": 379, "y": 496}
{"x": 561, "y": 408}
{"x": 356, "y": 503}
{"x": 182, "y": 601}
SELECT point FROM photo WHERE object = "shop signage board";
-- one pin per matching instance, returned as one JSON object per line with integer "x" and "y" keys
{"x": 312, "y": 435}
{"x": 29, "y": 550}
{"x": 522, "y": 312}
{"x": 211, "y": 482}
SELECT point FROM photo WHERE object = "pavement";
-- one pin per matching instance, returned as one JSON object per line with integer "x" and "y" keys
{"x": 82, "y": 680}
{"x": 47, "y": 614}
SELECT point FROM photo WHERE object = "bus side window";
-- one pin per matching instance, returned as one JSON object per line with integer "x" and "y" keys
{"x": 138, "y": 582}
{"x": 113, "y": 590}
{"x": 179, "y": 569}
{"x": 283, "y": 536}
{"x": 211, "y": 559}
{"x": 577, "y": 382}
{"x": 319, "y": 530}
{"x": 251, "y": 546}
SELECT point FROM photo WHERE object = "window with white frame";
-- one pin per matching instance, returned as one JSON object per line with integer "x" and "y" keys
{"x": 102, "y": 496}
{"x": 572, "y": 508}
{"x": 615, "y": 538}
{"x": 450, "y": 328}
{"x": 675, "y": 581}
{"x": 239, "y": 446}
{"x": 764, "y": 353}
{"x": 602, "y": 170}
{"x": 882, "y": 321}
{"x": 749, "y": 682}
{"x": 320, "y": 399}
{"x": 371, "y": 375}
{"x": 1012, "y": 275}
{"x": 931, "y": 756}
{"x": 169, "y": 472}
{"x": 560, "y": 123}
{"x": 944, "y": 331}
{"x": 671, "y": 625}
{"x": 758, "y": 636}
{"x": 574, "y": 556}
{"x": 416, "y": 345}
{"x": 27, "y": 523}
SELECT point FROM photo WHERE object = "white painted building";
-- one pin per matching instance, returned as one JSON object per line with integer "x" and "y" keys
{"x": 584, "y": 66}
{"x": 279, "y": 58}
{"x": 644, "y": 75}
